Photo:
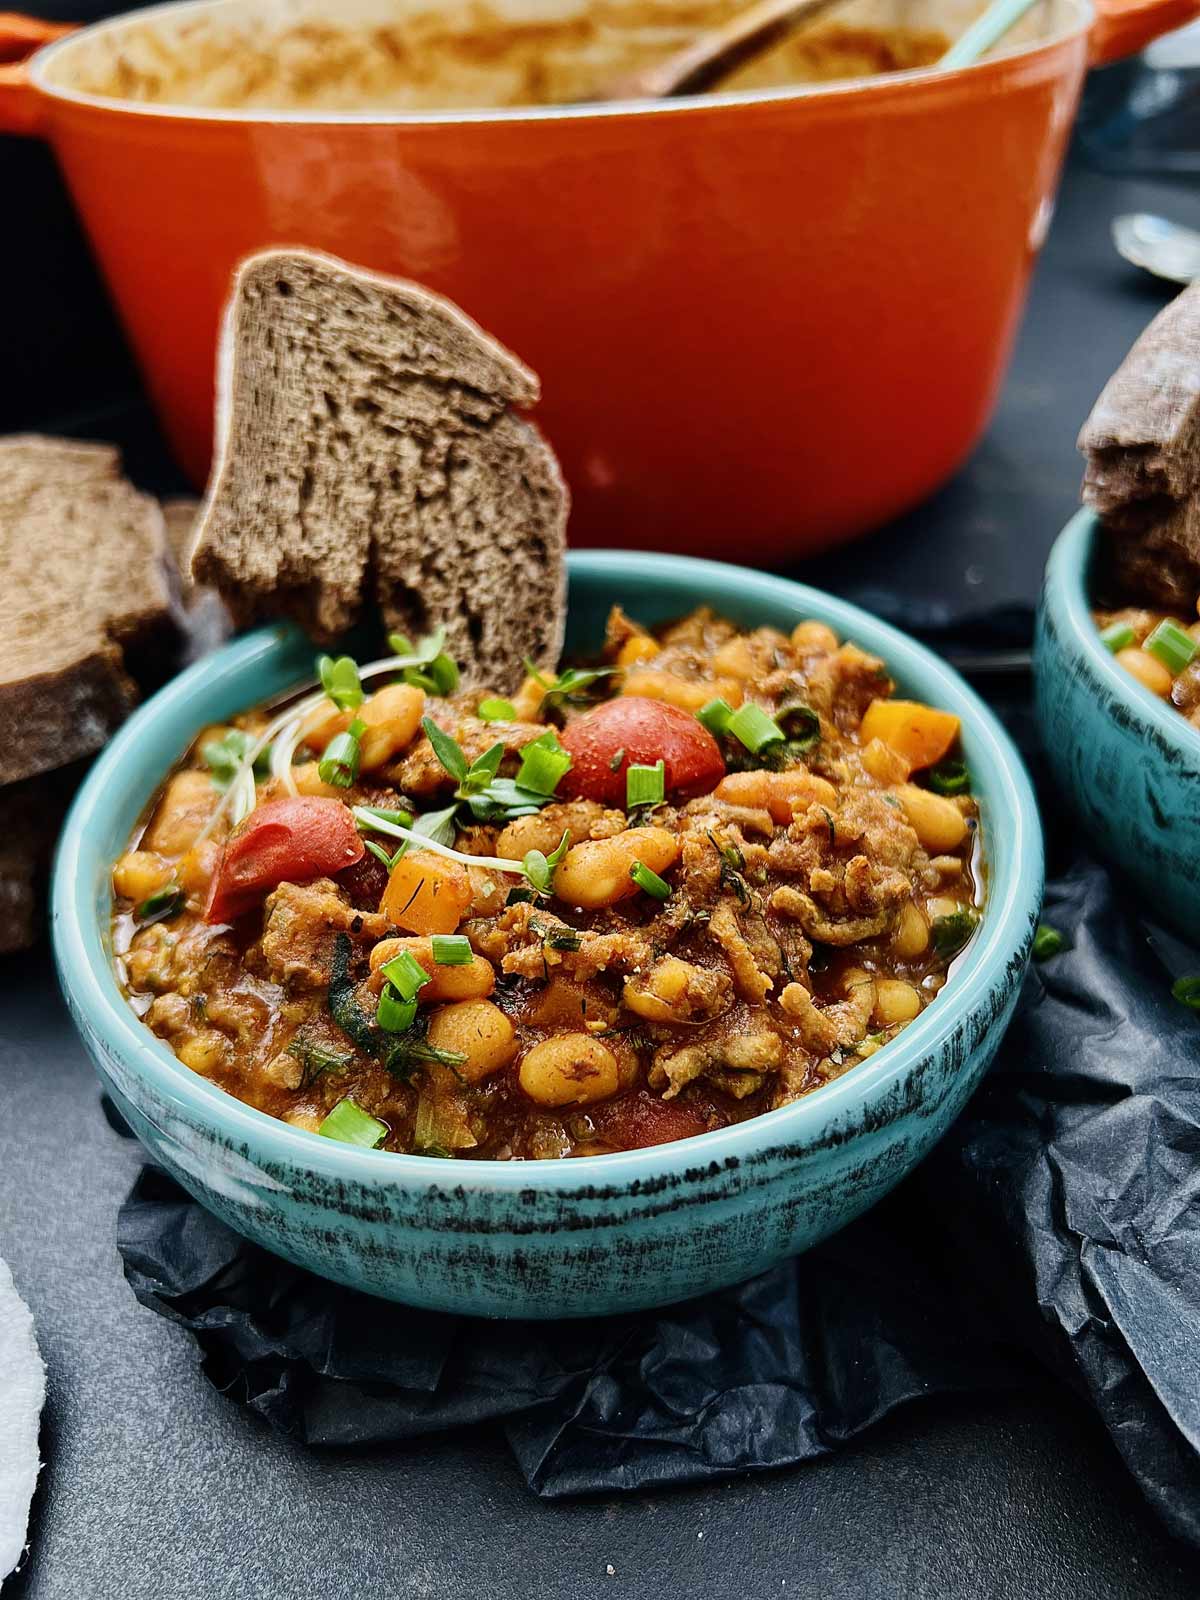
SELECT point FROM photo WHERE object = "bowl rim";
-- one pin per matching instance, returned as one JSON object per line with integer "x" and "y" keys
{"x": 1001, "y": 944}
{"x": 1078, "y": 25}
{"x": 1067, "y": 583}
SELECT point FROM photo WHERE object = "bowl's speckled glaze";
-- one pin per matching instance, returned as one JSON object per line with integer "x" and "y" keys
{"x": 1128, "y": 761}
{"x": 545, "y": 1238}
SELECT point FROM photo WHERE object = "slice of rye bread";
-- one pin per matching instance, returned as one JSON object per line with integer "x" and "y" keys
{"x": 367, "y": 445}
{"x": 1142, "y": 448}
{"x": 85, "y": 599}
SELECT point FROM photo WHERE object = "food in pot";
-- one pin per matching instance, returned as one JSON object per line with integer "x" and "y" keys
{"x": 1161, "y": 651}
{"x": 639, "y": 900}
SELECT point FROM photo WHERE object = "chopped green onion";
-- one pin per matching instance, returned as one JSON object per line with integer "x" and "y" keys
{"x": 801, "y": 725}
{"x": 452, "y": 950}
{"x": 951, "y": 933}
{"x": 402, "y": 819}
{"x": 496, "y": 710}
{"x": 543, "y": 764}
{"x": 560, "y": 938}
{"x": 715, "y": 715}
{"x": 751, "y": 725}
{"x": 1047, "y": 942}
{"x": 446, "y": 749}
{"x": 539, "y": 868}
{"x": 520, "y": 896}
{"x": 645, "y": 786}
{"x": 650, "y": 881}
{"x": 1170, "y": 644}
{"x": 406, "y": 974}
{"x": 164, "y": 902}
{"x": 339, "y": 764}
{"x": 1117, "y": 636}
{"x": 394, "y": 1014}
{"x": 340, "y": 681}
{"x": 949, "y": 777}
{"x": 350, "y": 1124}
{"x": 1187, "y": 992}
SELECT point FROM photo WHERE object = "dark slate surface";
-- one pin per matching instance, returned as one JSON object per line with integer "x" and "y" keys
{"x": 157, "y": 1487}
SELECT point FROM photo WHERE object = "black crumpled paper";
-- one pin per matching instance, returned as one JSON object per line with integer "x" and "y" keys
{"x": 1054, "y": 1229}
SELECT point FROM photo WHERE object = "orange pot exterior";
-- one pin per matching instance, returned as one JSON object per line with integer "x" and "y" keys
{"x": 761, "y": 327}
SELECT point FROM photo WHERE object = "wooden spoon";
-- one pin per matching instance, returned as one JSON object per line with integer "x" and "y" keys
{"x": 711, "y": 57}
{"x": 714, "y": 55}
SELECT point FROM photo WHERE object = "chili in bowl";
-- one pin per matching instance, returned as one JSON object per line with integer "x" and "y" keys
{"x": 602, "y": 996}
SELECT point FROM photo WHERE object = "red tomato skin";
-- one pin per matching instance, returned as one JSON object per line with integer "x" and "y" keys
{"x": 287, "y": 840}
{"x": 642, "y": 731}
{"x": 637, "y": 1121}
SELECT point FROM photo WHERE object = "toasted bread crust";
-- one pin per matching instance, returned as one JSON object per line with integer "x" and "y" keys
{"x": 368, "y": 447}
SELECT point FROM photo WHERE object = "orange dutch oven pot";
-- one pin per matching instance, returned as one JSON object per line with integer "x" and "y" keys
{"x": 765, "y": 321}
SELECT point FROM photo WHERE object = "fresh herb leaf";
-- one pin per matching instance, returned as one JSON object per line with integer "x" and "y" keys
{"x": 446, "y": 749}
{"x": 496, "y": 710}
{"x": 567, "y": 688}
{"x": 438, "y": 826}
{"x": 316, "y": 1060}
{"x": 539, "y": 868}
{"x": 381, "y": 854}
{"x": 340, "y": 681}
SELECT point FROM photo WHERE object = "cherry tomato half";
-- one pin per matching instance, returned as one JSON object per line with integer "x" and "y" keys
{"x": 633, "y": 729}
{"x": 288, "y": 840}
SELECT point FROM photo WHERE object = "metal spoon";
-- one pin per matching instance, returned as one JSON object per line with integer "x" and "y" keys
{"x": 1165, "y": 248}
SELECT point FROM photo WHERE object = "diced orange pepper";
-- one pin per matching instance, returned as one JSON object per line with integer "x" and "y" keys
{"x": 426, "y": 893}
{"x": 919, "y": 733}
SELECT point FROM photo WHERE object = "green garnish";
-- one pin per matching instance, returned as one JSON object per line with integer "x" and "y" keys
{"x": 1171, "y": 645}
{"x": 164, "y": 902}
{"x": 224, "y": 756}
{"x": 751, "y": 726}
{"x": 452, "y": 950}
{"x": 801, "y": 726}
{"x": 951, "y": 933}
{"x": 447, "y": 749}
{"x": 431, "y": 668}
{"x": 395, "y": 1015}
{"x": 496, "y": 710}
{"x": 406, "y": 974}
{"x": 645, "y": 786}
{"x": 352, "y": 1125}
{"x": 402, "y": 819}
{"x": 715, "y": 716}
{"x": 438, "y": 826}
{"x": 316, "y": 1060}
{"x": 539, "y": 868}
{"x": 650, "y": 881}
{"x": 381, "y": 854}
{"x": 1117, "y": 636}
{"x": 340, "y": 681}
{"x": 543, "y": 764}
{"x": 339, "y": 764}
{"x": 565, "y": 689}
{"x": 1187, "y": 992}
{"x": 556, "y": 938}
{"x": 1047, "y": 942}
{"x": 949, "y": 777}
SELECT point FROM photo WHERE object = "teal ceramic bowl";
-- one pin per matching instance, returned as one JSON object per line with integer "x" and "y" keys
{"x": 553, "y": 1238}
{"x": 1127, "y": 761}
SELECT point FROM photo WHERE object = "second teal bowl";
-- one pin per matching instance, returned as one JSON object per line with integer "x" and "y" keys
{"x": 553, "y": 1238}
{"x": 1128, "y": 763}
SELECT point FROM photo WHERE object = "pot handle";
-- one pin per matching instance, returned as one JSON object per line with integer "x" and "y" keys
{"x": 1123, "y": 27}
{"x": 20, "y": 36}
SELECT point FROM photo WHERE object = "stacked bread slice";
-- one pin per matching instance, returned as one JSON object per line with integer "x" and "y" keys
{"x": 86, "y": 610}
